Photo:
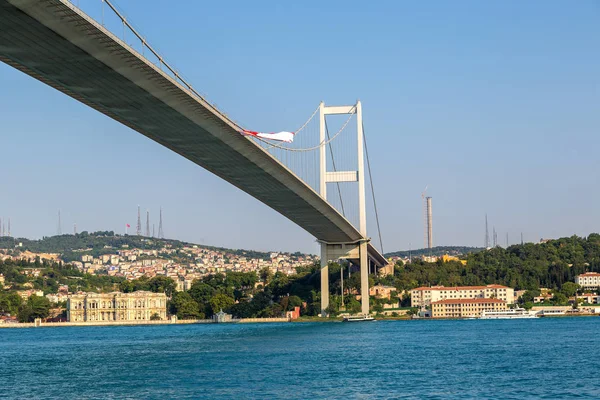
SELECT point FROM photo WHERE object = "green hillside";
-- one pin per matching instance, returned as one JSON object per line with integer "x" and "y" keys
{"x": 435, "y": 251}
{"x": 106, "y": 242}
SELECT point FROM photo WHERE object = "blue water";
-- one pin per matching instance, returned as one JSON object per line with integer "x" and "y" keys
{"x": 543, "y": 358}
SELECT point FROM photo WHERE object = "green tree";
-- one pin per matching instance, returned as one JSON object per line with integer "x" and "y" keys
{"x": 35, "y": 307}
{"x": 243, "y": 309}
{"x": 155, "y": 317}
{"x": 10, "y": 303}
{"x": 279, "y": 284}
{"x": 528, "y": 296}
{"x": 560, "y": 299}
{"x": 126, "y": 287}
{"x": 261, "y": 301}
{"x": 162, "y": 284}
{"x": 265, "y": 275}
{"x": 272, "y": 311}
{"x": 184, "y": 306}
{"x": 221, "y": 302}
{"x": 378, "y": 307}
{"x": 289, "y": 302}
{"x": 569, "y": 289}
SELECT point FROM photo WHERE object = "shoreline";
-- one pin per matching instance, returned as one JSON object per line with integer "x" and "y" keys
{"x": 40, "y": 324}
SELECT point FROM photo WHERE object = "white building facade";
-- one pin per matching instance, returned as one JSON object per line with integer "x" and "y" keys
{"x": 589, "y": 280}
{"x": 424, "y": 296}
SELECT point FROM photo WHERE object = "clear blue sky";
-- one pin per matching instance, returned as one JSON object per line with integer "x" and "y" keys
{"x": 494, "y": 105}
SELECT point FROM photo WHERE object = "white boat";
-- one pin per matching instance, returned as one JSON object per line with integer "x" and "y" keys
{"x": 358, "y": 318}
{"x": 515, "y": 313}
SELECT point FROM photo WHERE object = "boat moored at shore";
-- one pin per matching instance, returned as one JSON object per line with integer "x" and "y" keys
{"x": 358, "y": 318}
{"x": 515, "y": 313}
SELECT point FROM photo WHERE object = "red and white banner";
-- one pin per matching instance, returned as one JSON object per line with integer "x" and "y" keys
{"x": 284, "y": 136}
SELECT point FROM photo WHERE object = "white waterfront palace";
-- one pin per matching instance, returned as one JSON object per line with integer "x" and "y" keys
{"x": 116, "y": 306}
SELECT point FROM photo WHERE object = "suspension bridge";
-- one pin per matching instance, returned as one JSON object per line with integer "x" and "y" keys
{"x": 318, "y": 181}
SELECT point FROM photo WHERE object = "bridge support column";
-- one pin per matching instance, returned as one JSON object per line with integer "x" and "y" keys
{"x": 364, "y": 278}
{"x": 324, "y": 280}
{"x": 357, "y": 254}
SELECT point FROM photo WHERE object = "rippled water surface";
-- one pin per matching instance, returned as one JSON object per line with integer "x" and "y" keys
{"x": 542, "y": 358}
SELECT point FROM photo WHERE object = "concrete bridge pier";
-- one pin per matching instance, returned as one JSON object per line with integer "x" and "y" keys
{"x": 324, "y": 280}
{"x": 364, "y": 278}
{"x": 357, "y": 254}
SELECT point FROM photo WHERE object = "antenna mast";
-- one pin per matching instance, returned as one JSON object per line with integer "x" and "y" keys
{"x": 138, "y": 229}
{"x": 161, "y": 234}
{"x": 147, "y": 223}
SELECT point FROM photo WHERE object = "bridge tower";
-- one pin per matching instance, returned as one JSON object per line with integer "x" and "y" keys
{"x": 356, "y": 250}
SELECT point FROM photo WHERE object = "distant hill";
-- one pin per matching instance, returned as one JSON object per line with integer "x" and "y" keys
{"x": 435, "y": 251}
{"x": 106, "y": 242}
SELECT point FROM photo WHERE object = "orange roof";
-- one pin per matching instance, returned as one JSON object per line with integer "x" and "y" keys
{"x": 494, "y": 286}
{"x": 468, "y": 301}
{"x": 590, "y": 274}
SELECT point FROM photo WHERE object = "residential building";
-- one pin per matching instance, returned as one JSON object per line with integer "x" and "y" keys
{"x": 519, "y": 294}
{"x": 462, "y": 308}
{"x": 588, "y": 298}
{"x": 116, "y": 306}
{"x": 294, "y": 314}
{"x": 56, "y": 297}
{"x": 424, "y": 296}
{"x": 589, "y": 280}
{"x": 447, "y": 258}
{"x": 382, "y": 292}
{"x": 183, "y": 284}
{"x": 546, "y": 296}
{"x": 25, "y": 294}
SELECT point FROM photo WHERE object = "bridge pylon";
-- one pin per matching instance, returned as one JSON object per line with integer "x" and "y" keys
{"x": 356, "y": 251}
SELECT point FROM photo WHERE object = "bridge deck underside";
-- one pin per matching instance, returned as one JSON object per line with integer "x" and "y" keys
{"x": 54, "y": 43}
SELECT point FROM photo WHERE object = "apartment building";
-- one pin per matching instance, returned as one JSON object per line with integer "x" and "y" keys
{"x": 424, "y": 296}
{"x": 464, "y": 308}
{"x": 589, "y": 280}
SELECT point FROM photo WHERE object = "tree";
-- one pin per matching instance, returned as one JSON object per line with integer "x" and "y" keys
{"x": 221, "y": 302}
{"x": 261, "y": 301}
{"x": 265, "y": 275}
{"x": 184, "y": 306}
{"x": 201, "y": 292}
{"x": 155, "y": 317}
{"x": 126, "y": 287}
{"x": 353, "y": 306}
{"x": 279, "y": 284}
{"x": 243, "y": 309}
{"x": 272, "y": 311}
{"x": 560, "y": 299}
{"x": 35, "y": 307}
{"x": 528, "y": 296}
{"x": 569, "y": 289}
{"x": 289, "y": 302}
{"x": 378, "y": 307}
{"x": 10, "y": 303}
{"x": 162, "y": 284}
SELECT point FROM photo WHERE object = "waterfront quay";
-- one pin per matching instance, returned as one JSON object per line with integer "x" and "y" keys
{"x": 173, "y": 321}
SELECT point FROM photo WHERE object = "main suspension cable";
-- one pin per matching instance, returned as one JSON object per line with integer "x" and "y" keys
{"x": 324, "y": 143}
